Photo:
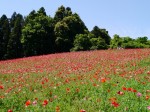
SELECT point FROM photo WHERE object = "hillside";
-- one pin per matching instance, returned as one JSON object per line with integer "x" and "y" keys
{"x": 105, "y": 80}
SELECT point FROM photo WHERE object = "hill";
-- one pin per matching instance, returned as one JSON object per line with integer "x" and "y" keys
{"x": 106, "y": 80}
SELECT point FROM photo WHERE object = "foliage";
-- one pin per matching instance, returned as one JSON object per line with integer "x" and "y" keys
{"x": 127, "y": 42}
{"x": 14, "y": 46}
{"x": 116, "y": 42}
{"x": 98, "y": 43}
{"x": 39, "y": 34}
{"x": 81, "y": 42}
{"x": 88, "y": 42}
{"x": 62, "y": 40}
{"x": 4, "y": 35}
{"x": 101, "y": 33}
{"x": 66, "y": 29}
{"x": 61, "y": 13}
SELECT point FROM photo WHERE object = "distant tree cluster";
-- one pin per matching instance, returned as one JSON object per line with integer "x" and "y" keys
{"x": 127, "y": 42}
{"x": 38, "y": 34}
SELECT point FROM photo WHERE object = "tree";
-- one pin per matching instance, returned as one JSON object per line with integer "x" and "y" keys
{"x": 142, "y": 40}
{"x": 62, "y": 40}
{"x": 66, "y": 30}
{"x": 4, "y": 35}
{"x": 148, "y": 43}
{"x": 14, "y": 47}
{"x": 126, "y": 39}
{"x": 12, "y": 20}
{"x": 98, "y": 43}
{"x": 116, "y": 41}
{"x": 101, "y": 33}
{"x": 37, "y": 34}
{"x": 41, "y": 11}
{"x": 61, "y": 13}
{"x": 81, "y": 43}
{"x": 30, "y": 17}
{"x": 127, "y": 42}
{"x": 76, "y": 26}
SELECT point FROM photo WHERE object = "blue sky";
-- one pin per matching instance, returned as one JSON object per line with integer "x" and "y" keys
{"x": 123, "y": 17}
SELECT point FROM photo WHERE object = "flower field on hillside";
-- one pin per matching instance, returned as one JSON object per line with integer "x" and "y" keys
{"x": 93, "y": 81}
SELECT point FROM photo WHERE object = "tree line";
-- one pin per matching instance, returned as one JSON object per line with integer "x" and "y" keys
{"x": 39, "y": 33}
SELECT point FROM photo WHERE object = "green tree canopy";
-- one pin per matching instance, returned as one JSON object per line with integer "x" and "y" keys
{"x": 62, "y": 40}
{"x": 14, "y": 47}
{"x": 37, "y": 34}
{"x": 142, "y": 40}
{"x": 116, "y": 41}
{"x": 103, "y": 33}
{"x": 88, "y": 42}
{"x": 4, "y": 35}
{"x": 61, "y": 13}
{"x": 98, "y": 43}
{"x": 66, "y": 30}
{"x": 82, "y": 42}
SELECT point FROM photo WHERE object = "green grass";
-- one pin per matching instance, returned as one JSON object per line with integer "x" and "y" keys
{"x": 74, "y": 81}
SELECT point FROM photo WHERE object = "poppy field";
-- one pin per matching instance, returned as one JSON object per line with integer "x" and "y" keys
{"x": 89, "y": 81}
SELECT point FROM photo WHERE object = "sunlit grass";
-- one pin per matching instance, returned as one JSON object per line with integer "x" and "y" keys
{"x": 95, "y": 81}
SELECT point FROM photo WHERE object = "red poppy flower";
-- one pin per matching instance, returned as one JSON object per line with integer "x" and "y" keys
{"x": 129, "y": 89}
{"x": 115, "y": 104}
{"x": 1, "y": 87}
{"x": 147, "y": 97}
{"x": 134, "y": 91}
{"x": 9, "y": 110}
{"x": 124, "y": 88}
{"x": 27, "y": 103}
{"x": 45, "y": 102}
{"x": 120, "y": 93}
{"x": 148, "y": 72}
{"x": 82, "y": 110}
{"x": 67, "y": 80}
{"x": 42, "y": 82}
{"x": 103, "y": 80}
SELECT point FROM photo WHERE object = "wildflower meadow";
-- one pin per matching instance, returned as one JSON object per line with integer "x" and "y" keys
{"x": 89, "y": 81}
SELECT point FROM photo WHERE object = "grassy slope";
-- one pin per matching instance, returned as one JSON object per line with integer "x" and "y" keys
{"x": 96, "y": 81}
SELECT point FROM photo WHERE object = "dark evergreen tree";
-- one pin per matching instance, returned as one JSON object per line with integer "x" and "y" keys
{"x": 12, "y": 20}
{"x": 4, "y": 35}
{"x": 30, "y": 17}
{"x": 14, "y": 47}
{"x": 41, "y": 11}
